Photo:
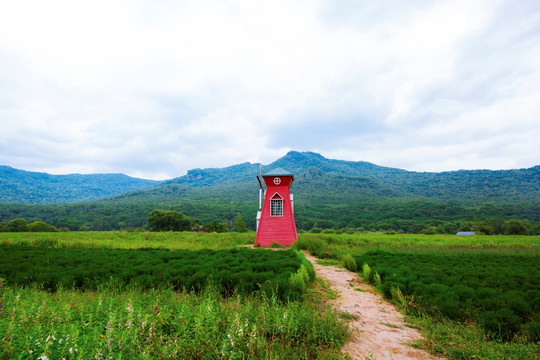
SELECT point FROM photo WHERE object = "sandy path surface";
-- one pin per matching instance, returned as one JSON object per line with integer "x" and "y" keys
{"x": 379, "y": 331}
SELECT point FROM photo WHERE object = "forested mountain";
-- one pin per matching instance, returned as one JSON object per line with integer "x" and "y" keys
{"x": 328, "y": 194}
{"x": 26, "y": 187}
{"x": 463, "y": 185}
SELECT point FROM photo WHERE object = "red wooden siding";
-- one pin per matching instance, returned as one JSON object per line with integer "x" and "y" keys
{"x": 277, "y": 229}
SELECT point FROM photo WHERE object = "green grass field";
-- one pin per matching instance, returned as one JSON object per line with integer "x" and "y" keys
{"x": 57, "y": 302}
{"x": 473, "y": 296}
{"x": 159, "y": 295}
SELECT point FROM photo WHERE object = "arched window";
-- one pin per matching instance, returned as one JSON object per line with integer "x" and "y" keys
{"x": 276, "y": 205}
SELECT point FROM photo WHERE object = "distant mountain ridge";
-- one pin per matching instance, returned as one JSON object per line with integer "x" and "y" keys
{"x": 27, "y": 187}
{"x": 317, "y": 178}
{"x": 328, "y": 194}
{"x": 466, "y": 185}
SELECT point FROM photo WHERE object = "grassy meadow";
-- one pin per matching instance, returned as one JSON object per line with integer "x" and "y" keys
{"x": 112, "y": 295}
{"x": 160, "y": 295}
{"x": 472, "y": 296}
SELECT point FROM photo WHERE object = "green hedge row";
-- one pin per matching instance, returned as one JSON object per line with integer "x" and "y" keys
{"x": 499, "y": 291}
{"x": 242, "y": 271}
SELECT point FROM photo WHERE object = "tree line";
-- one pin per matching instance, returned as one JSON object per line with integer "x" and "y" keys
{"x": 158, "y": 220}
{"x": 399, "y": 215}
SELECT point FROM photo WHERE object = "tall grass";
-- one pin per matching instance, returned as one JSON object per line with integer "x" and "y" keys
{"x": 113, "y": 321}
{"x": 335, "y": 246}
{"x": 131, "y": 240}
{"x": 163, "y": 324}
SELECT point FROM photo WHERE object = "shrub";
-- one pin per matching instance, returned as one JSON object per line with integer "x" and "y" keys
{"x": 17, "y": 225}
{"x": 377, "y": 279}
{"x": 387, "y": 286}
{"x": 316, "y": 246}
{"x": 298, "y": 282}
{"x": 500, "y": 325}
{"x": 349, "y": 263}
{"x": 164, "y": 220}
{"x": 449, "y": 306}
{"x": 40, "y": 226}
{"x": 533, "y": 331}
{"x": 397, "y": 296}
{"x": 307, "y": 264}
{"x": 515, "y": 302}
{"x": 366, "y": 272}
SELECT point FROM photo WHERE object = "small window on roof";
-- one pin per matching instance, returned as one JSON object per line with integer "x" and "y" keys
{"x": 276, "y": 205}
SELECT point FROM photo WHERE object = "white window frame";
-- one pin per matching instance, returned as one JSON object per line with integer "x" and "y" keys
{"x": 276, "y": 205}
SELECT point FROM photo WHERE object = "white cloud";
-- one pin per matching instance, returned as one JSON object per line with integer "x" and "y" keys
{"x": 153, "y": 89}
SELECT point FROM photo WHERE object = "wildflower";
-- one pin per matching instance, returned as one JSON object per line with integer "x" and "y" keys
{"x": 43, "y": 357}
{"x": 71, "y": 350}
{"x": 1, "y": 307}
{"x": 156, "y": 309}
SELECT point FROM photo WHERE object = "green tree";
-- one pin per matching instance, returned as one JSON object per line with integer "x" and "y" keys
{"x": 497, "y": 225}
{"x": 215, "y": 226}
{"x": 17, "y": 225}
{"x": 40, "y": 226}
{"x": 168, "y": 220}
{"x": 535, "y": 230}
{"x": 515, "y": 227}
{"x": 429, "y": 230}
{"x": 239, "y": 224}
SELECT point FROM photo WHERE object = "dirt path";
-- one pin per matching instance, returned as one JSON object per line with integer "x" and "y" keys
{"x": 379, "y": 331}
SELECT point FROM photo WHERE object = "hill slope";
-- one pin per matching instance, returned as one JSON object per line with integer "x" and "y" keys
{"x": 464, "y": 185}
{"x": 26, "y": 187}
{"x": 328, "y": 194}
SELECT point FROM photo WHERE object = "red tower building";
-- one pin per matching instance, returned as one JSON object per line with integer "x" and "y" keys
{"x": 275, "y": 221}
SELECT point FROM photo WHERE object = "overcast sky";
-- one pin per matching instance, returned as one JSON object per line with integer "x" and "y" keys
{"x": 154, "y": 88}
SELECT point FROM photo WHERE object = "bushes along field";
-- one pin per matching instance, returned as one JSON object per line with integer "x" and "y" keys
{"x": 474, "y": 296}
{"x": 499, "y": 291}
{"x": 241, "y": 271}
{"x": 128, "y": 295}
